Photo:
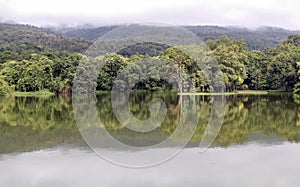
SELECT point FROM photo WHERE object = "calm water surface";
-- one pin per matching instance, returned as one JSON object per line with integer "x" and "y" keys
{"x": 40, "y": 144}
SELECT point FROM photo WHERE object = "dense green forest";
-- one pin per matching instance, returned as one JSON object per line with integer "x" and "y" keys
{"x": 36, "y": 59}
{"x": 256, "y": 39}
{"x": 259, "y": 39}
{"x": 25, "y": 37}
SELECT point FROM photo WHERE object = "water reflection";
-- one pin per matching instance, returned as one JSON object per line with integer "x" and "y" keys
{"x": 28, "y": 123}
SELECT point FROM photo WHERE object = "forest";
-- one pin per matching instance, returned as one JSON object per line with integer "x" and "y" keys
{"x": 35, "y": 59}
{"x": 258, "y": 39}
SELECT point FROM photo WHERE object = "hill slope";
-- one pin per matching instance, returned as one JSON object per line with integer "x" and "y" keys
{"x": 79, "y": 39}
{"x": 18, "y": 34}
{"x": 266, "y": 37}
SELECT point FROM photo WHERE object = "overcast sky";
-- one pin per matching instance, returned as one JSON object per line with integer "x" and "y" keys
{"x": 245, "y": 13}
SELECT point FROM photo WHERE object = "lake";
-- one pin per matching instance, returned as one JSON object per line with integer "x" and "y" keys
{"x": 257, "y": 145}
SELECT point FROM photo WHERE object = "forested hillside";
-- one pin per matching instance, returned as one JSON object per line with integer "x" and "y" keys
{"x": 259, "y": 39}
{"x": 88, "y": 33}
{"x": 36, "y": 59}
{"x": 12, "y": 35}
{"x": 72, "y": 39}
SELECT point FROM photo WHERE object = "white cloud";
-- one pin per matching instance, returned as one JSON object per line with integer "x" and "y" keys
{"x": 254, "y": 13}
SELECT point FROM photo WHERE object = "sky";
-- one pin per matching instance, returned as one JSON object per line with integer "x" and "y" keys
{"x": 243, "y": 13}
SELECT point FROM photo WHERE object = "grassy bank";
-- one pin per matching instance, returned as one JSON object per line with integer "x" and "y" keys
{"x": 34, "y": 94}
{"x": 240, "y": 92}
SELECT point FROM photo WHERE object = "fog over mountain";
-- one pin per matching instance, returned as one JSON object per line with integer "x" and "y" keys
{"x": 251, "y": 14}
{"x": 79, "y": 38}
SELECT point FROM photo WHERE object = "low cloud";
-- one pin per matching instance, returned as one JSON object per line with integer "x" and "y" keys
{"x": 251, "y": 14}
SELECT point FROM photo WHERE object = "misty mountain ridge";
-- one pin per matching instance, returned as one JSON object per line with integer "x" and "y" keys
{"x": 256, "y": 39}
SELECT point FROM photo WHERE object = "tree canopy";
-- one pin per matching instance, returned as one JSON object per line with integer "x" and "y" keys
{"x": 33, "y": 59}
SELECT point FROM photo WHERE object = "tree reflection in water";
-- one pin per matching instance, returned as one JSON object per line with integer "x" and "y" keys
{"x": 29, "y": 123}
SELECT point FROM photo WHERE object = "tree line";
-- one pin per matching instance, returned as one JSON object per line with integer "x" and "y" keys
{"x": 30, "y": 68}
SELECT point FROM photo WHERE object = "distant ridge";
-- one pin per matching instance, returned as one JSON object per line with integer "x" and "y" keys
{"x": 78, "y": 39}
{"x": 259, "y": 39}
{"x": 36, "y": 37}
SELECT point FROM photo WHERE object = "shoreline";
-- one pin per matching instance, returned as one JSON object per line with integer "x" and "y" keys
{"x": 239, "y": 92}
{"x": 33, "y": 94}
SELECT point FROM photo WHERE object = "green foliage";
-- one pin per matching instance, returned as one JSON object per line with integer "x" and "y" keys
{"x": 259, "y": 39}
{"x": 281, "y": 66}
{"x": 30, "y": 75}
{"x": 88, "y": 33}
{"x": 232, "y": 57}
{"x": 274, "y": 69}
{"x": 86, "y": 72}
{"x": 293, "y": 39}
{"x": 112, "y": 65}
{"x": 34, "y": 59}
{"x": 146, "y": 48}
{"x": 34, "y": 37}
{"x": 5, "y": 89}
{"x": 42, "y": 72}
{"x": 254, "y": 70}
{"x": 297, "y": 85}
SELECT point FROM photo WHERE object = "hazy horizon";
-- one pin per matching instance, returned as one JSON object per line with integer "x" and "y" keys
{"x": 231, "y": 13}
{"x": 91, "y": 25}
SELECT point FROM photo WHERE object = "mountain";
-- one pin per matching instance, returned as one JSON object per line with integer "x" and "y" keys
{"x": 78, "y": 39}
{"x": 17, "y": 34}
{"x": 88, "y": 33}
{"x": 264, "y": 37}
{"x": 259, "y": 39}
